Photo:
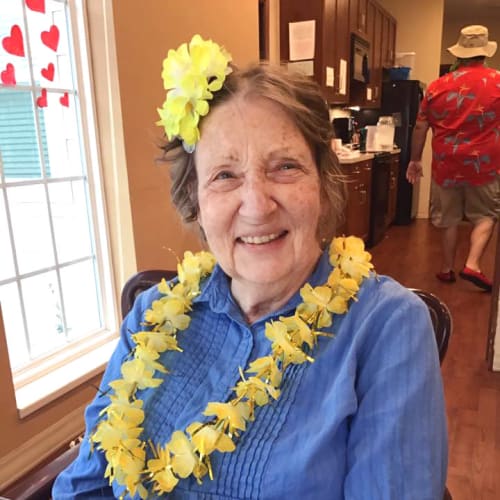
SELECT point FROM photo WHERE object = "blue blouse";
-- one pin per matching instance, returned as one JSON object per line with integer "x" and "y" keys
{"x": 366, "y": 420}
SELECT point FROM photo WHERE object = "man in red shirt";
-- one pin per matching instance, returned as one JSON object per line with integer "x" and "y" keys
{"x": 463, "y": 110}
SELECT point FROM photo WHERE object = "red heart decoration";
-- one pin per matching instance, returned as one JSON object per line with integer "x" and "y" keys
{"x": 48, "y": 72}
{"x": 41, "y": 101}
{"x": 64, "y": 100}
{"x": 36, "y": 5}
{"x": 8, "y": 76}
{"x": 51, "y": 38}
{"x": 13, "y": 44}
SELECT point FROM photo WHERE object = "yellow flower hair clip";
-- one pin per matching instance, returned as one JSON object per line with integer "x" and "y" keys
{"x": 190, "y": 75}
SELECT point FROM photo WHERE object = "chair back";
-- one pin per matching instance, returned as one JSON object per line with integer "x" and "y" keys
{"x": 443, "y": 325}
{"x": 441, "y": 319}
{"x": 139, "y": 282}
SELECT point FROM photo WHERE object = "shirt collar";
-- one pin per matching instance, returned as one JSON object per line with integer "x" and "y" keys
{"x": 470, "y": 64}
{"x": 216, "y": 291}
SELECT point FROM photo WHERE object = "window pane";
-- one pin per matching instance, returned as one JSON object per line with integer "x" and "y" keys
{"x": 13, "y": 322}
{"x": 81, "y": 298}
{"x": 51, "y": 58}
{"x": 19, "y": 150}
{"x": 60, "y": 136}
{"x": 6, "y": 259}
{"x": 10, "y": 16}
{"x": 30, "y": 221}
{"x": 43, "y": 307}
{"x": 68, "y": 203}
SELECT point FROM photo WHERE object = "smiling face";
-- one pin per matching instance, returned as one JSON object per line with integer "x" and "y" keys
{"x": 259, "y": 197}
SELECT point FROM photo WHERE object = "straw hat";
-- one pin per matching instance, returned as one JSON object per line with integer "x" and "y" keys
{"x": 472, "y": 42}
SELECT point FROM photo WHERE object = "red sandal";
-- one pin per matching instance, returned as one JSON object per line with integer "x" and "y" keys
{"x": 477, "y": 278}
{"x": 448, "y": 277}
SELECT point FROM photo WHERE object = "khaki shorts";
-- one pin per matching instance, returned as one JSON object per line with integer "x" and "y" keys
{"x": 450, "y": 205}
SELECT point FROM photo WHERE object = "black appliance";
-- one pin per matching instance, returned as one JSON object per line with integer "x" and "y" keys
{"x": 343, "y": 129}
{"x": 379, "y": 203}
{"x": 402, "y": 99}
{"x": 360, "y": 59}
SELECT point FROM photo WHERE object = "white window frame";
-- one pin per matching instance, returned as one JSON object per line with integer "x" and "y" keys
{"x": 47, "y": 379}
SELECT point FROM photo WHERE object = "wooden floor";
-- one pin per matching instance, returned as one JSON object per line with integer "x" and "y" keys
{"x": 411, "y": 254}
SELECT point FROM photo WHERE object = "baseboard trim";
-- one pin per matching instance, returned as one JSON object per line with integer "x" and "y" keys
{"x": 34, "y": 451}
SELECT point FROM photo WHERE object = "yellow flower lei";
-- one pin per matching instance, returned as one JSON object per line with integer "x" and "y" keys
{"x": 190, "y": 75}
{"x": 188, "y": 452}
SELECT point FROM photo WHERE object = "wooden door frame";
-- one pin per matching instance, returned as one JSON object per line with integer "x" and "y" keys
{"x": 264, "y": 29}
{"x": 494, "y": 309}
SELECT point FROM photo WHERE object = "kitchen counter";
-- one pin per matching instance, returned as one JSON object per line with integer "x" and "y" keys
{"x": 355, "y": 157}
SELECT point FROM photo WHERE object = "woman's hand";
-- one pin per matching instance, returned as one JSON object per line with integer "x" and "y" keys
{"x": 414, "y": 171}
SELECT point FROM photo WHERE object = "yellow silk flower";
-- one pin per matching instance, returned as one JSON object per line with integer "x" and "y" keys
{"x": 266, "y": 369}
{"x": 156, "y": 341}
{"x": 256, "y": 391}
{"x": 194, "y": 267}
{"x": 276, "y": 332}
{"x": 168, "y": 313}
{"x": 300, "y": 332}
{"x": 190, "y": 75}
{"x": 206, "y": 438}
{"x": 349, "y": 254}
{"x": 234, "y": 416}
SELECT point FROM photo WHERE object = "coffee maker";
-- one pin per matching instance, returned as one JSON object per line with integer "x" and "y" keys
{"x": 343, "y": 128}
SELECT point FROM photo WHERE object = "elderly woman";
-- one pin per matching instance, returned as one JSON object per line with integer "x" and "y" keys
{"x": 287, "y": 369}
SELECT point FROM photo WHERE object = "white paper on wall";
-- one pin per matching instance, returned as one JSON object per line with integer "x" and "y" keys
{"x": 301, "y": 40}
{"x": 304, "y": 67}
{"x": 330, "y": 76}
{"x": 343, "y": 77}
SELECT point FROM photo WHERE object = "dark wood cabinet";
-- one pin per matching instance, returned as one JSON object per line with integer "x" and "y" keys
{"x": 381, "y": 34}
{"x": 342, "y": 62}
{"x": 393, "y": 189}
{"x": 336, "y": 22}
{"x": 389, "y": 35}
{"x": 392, "y": 42}
{"x": 358, "y": 17}
{"x": 292, "y": 11}
{"x": 370, "y": 94}
{"x": 331, "y": 63}
{"x": 384, "y": 49}
{"x": 388, "y": 40}
{"x": 357, "y": 212}
{"x": 376, "y": 64}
